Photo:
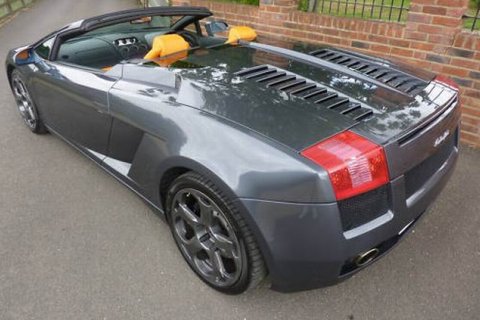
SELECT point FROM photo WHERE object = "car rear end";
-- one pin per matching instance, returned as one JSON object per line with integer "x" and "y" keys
{"x": 383, "y": 178}
{"x": 420, "y": 162}
{"x": 379, "y": 141}
{"x": 382, "y": 191}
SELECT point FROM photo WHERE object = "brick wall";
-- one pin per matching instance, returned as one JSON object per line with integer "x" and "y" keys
{"x": 432, "y": 38}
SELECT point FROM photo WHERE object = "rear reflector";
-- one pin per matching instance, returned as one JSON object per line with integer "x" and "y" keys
{"x": 355, "y": 165}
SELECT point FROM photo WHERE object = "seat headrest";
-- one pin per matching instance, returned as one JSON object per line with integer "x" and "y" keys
{"x": 167, "y": 44}
{"x": 241, "y": 33}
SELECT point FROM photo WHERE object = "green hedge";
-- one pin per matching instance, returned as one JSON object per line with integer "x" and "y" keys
{"x": 473, "y": 8}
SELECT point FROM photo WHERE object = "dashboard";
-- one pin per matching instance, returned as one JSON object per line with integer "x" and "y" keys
{"x": 130, "y": 47}
{"x": 105, "y": 50}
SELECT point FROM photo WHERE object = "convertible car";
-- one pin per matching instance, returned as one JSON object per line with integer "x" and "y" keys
{"x": 305, "y": 165}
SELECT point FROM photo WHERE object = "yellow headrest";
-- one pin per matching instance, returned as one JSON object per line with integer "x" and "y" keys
{"x": 241, "y": 33}
{"x": 167, "y": 44}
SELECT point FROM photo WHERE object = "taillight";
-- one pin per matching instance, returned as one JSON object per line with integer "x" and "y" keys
{"x": 355, "y": 165}
{"x": 448, "y": 82}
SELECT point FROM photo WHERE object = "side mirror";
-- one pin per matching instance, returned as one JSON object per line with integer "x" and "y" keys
{"x": 24, "y": 57}
{"x": 213, "y": 27}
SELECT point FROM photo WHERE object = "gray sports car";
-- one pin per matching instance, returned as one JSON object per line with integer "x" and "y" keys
{"x": 303, "y": 164}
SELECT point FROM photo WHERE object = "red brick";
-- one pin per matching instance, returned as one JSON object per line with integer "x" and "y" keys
{"x": 419, "y": 17}
{"x": 476, "y": 85}
{"x": 451, "y": 3}
{"x": 400, "y": 43}
{"x": 472, "y": 93}
{"x": 456, "y": 12}
{"x": 425, "y": 46}
{"x": 419, "y": 2}
{"x": 428, "y": 28}
{"x": 447, "y": 21}
{"x": 419, "y": 55}
{"x": 468, "y": 108}
{"x": 466, "y": 63}
{"x": 378, "y": 48}
{"x": 470, "y": 138}
{"x": 419, "y": 36}
{"x": 402, "y": 52}
{"x": 441, "y": 11}
{"x": 440, "y": 39}
{"x": 379, "y": 39}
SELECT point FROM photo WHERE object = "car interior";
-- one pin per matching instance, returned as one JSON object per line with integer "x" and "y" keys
{"x": 151, "y": 38}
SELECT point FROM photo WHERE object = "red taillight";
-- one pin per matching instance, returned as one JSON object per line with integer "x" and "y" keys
{"x": 355, "y": 165}
{"x": 448, "y": 81}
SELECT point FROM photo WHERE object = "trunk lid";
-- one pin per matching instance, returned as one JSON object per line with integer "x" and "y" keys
{"x": 260, "y": 87}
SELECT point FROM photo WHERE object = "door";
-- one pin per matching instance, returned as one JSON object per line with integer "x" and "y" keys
{"x": 73, "y": 100}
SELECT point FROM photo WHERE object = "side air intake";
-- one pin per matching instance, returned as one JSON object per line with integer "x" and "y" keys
{"x": 303, "y": 88}
{"x": 396, "y": 79}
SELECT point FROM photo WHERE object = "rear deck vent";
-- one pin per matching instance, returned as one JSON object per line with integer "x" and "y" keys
{"x": 295, "y": 85}
{"x": 399, "y": 80}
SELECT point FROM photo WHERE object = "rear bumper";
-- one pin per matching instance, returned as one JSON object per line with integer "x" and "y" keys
{"x": 305, "y": 246}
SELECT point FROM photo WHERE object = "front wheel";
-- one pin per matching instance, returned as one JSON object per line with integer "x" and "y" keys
{"x": 25, "y": 104}
{"x": 212, "y": 236}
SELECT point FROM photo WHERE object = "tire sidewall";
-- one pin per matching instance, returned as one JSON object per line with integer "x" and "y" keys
{"x": 38, "y": 123}
{"x": 188, "y": 181}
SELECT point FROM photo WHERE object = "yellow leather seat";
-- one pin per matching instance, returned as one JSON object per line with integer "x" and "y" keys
{"x": 241, "y": 33}
{"x": 168, "y": 44}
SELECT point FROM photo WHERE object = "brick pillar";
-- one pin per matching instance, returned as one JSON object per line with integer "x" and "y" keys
{"x": 436, "y": 22}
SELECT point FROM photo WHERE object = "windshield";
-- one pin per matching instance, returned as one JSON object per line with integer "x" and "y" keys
{"x": 144, "y": 23}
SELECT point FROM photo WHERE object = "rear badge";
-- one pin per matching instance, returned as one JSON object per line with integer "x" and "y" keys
{"x": 441, "y": 138}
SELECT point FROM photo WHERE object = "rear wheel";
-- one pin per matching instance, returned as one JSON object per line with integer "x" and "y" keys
{"x": 212, "y": 237}
{"x": 25, "y": 104}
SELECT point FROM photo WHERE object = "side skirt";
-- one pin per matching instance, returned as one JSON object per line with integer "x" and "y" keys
{"x": 118, "y": 169}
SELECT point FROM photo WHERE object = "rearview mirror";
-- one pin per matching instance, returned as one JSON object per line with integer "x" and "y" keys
{"x": 213, "y": 27}
{"x": 24, "y": 57}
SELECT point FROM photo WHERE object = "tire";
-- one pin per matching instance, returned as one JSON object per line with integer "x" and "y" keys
{"x": 212, "y": 236}
{"x": 25, "y": 104}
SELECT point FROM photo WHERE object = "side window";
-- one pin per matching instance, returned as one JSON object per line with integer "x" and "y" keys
{"x": 44, "y": 49}
{"x": 192, "y": 28}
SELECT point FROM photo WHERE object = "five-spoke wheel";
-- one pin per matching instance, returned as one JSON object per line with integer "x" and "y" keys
{"x": 206, "y": 237}
{"x": 25, "y": 104}
{"x": 212, "y": 236}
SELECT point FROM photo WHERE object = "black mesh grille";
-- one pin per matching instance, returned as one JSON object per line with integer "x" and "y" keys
{"x": 364, "y": 208}
{"x": 415, "y": 178}
{"x": 391, "y": 77}
{"x": 295, "y": 85}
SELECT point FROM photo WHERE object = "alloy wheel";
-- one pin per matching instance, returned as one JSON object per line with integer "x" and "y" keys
{"x": 206, "y": 238}
{"x": 24, "y": 103}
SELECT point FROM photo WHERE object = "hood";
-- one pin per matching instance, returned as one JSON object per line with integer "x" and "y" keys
{"x": 382, "y": 99}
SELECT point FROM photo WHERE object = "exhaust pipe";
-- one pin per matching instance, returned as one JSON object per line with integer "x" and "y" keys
{"x": 366, "y": 257}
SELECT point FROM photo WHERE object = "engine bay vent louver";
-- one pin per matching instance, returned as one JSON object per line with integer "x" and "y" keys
{"x": 308, "y": 90}
{"x": 393, "y": 78}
